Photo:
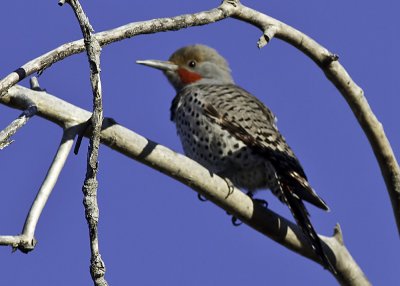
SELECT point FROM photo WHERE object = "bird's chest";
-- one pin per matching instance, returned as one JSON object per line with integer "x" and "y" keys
{"x": 208, "y": 143}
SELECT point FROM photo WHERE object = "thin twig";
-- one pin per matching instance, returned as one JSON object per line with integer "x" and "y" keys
{"x": 26, "y": 241}
{"x": 198, "y": 178}
{"x": 34, "y": 84}
{"x": 97, "y": 266}
{"x": 13, "y": 127}
{"x": 49, "y": 182}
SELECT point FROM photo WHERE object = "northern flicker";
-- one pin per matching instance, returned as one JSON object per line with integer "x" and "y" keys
{"x": 233, "y": 134}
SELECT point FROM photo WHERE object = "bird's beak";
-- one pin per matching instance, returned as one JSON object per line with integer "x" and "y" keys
{"x": 161, "y": 65}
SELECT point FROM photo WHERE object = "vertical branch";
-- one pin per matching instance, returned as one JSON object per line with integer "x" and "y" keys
{"x": 97, "y": 266}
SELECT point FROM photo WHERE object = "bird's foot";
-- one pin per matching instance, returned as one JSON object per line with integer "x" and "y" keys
{"x": 235, "y": 221}
{"x": 263, "y": 203}
{"x": 231, "y": 187}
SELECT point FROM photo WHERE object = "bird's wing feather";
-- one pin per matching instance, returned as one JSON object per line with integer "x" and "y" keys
{"x": 249, "y": 120}
{"x": 254, "y": 124}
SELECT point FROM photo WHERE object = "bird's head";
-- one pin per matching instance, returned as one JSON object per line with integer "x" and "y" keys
{"x": 193, "y": 64}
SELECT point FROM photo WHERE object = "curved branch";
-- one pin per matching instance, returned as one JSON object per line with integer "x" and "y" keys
{"x": 26, "y": 241}
{"x": 195, "y": 176}
{"x": 351, "y": 92}
{"x": 123, "y": 32}
{"x": 49, "y": 182}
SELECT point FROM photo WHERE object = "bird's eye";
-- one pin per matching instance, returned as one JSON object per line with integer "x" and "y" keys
{"x": 192, "y": 64}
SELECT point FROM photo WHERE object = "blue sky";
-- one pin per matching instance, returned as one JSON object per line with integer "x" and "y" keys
{"x": 153, "y": 230}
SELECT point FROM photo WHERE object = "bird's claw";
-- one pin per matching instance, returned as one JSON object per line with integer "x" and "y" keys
{"x": 263, "y": 203}
{"x": 231, "y": 187}
{"x": 201, "y": 198}
{"x": 235, "y": 221}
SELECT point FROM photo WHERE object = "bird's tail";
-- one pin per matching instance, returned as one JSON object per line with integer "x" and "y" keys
{"x": 302, "y": 218}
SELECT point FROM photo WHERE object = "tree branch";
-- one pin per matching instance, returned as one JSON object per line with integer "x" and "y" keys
{"x": 16, "y": 124}
{"x": 49, "y": 182}
{"x": 197, "y": 177}
{"x": 89, "y": 189}
{"x": 26, "y": 241}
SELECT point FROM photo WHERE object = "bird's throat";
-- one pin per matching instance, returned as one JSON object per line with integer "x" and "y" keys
{"x": 188, "y": 77}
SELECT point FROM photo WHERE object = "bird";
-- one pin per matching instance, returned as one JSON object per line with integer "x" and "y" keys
{"x": 234, "y": 135}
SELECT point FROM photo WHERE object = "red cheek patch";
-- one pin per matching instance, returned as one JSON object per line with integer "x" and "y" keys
{"x": 188, "y": 77}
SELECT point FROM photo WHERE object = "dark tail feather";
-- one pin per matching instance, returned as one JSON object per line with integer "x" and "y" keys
{"x": 301, "y": 216}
